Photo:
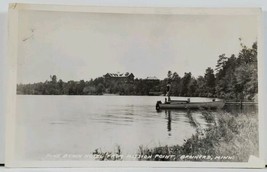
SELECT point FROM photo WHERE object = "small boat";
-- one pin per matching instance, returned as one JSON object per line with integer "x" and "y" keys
{"x": 186, "y": 104}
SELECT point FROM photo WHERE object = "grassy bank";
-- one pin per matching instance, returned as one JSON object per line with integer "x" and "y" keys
{"x": 231, "y": 138}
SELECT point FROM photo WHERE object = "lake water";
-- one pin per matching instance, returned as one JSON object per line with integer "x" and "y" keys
{"x": 51, "y": 125}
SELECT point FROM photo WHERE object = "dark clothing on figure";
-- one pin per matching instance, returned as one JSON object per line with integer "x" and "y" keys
{"x": 168, "y": 87}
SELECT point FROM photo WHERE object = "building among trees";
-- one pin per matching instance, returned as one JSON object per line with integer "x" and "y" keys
{"x": 152, "y": 79}
{"x": 235, "y": 78}
{"x": 119, "y": 77}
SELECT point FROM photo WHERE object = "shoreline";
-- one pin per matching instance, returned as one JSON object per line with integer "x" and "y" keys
{"x": 230, "y": 136}
{"x": 227, "y": 102}
{"x": 229, "y": 139}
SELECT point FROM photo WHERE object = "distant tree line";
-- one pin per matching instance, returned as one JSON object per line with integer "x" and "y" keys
{"x": 234, "y": 78}
{"x": 97, "y": 86}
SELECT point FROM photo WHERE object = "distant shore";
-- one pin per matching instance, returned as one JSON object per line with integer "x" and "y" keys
{"x": 234, "y": 79}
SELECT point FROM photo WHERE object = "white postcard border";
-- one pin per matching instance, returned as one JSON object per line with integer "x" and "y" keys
{"x": 13, "y": 54}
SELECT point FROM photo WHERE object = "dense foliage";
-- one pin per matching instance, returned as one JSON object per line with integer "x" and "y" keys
{"x": 234, "y": 78}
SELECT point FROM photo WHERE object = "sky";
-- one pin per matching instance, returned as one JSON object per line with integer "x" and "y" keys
{"x": 76, "y": 46}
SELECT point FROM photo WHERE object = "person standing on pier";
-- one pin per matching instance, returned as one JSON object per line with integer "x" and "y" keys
{"x": 168, "y": 91}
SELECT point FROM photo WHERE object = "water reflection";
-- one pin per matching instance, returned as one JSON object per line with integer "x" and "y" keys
{"x": 199, "y": 121}
{"x": 237, "y": 109}
{"x": 193, "y": 118}
{"x": 169, "y": 121}
{"x": 192, "y": 121}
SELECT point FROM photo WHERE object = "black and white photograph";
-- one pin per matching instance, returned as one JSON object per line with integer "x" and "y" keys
{"x": 134, "y": 85}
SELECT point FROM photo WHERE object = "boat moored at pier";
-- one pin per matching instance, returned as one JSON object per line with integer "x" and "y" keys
{"x": 186, "y": 104}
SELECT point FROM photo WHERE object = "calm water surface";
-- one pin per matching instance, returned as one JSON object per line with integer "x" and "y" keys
{"x": 81, "y": 124}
